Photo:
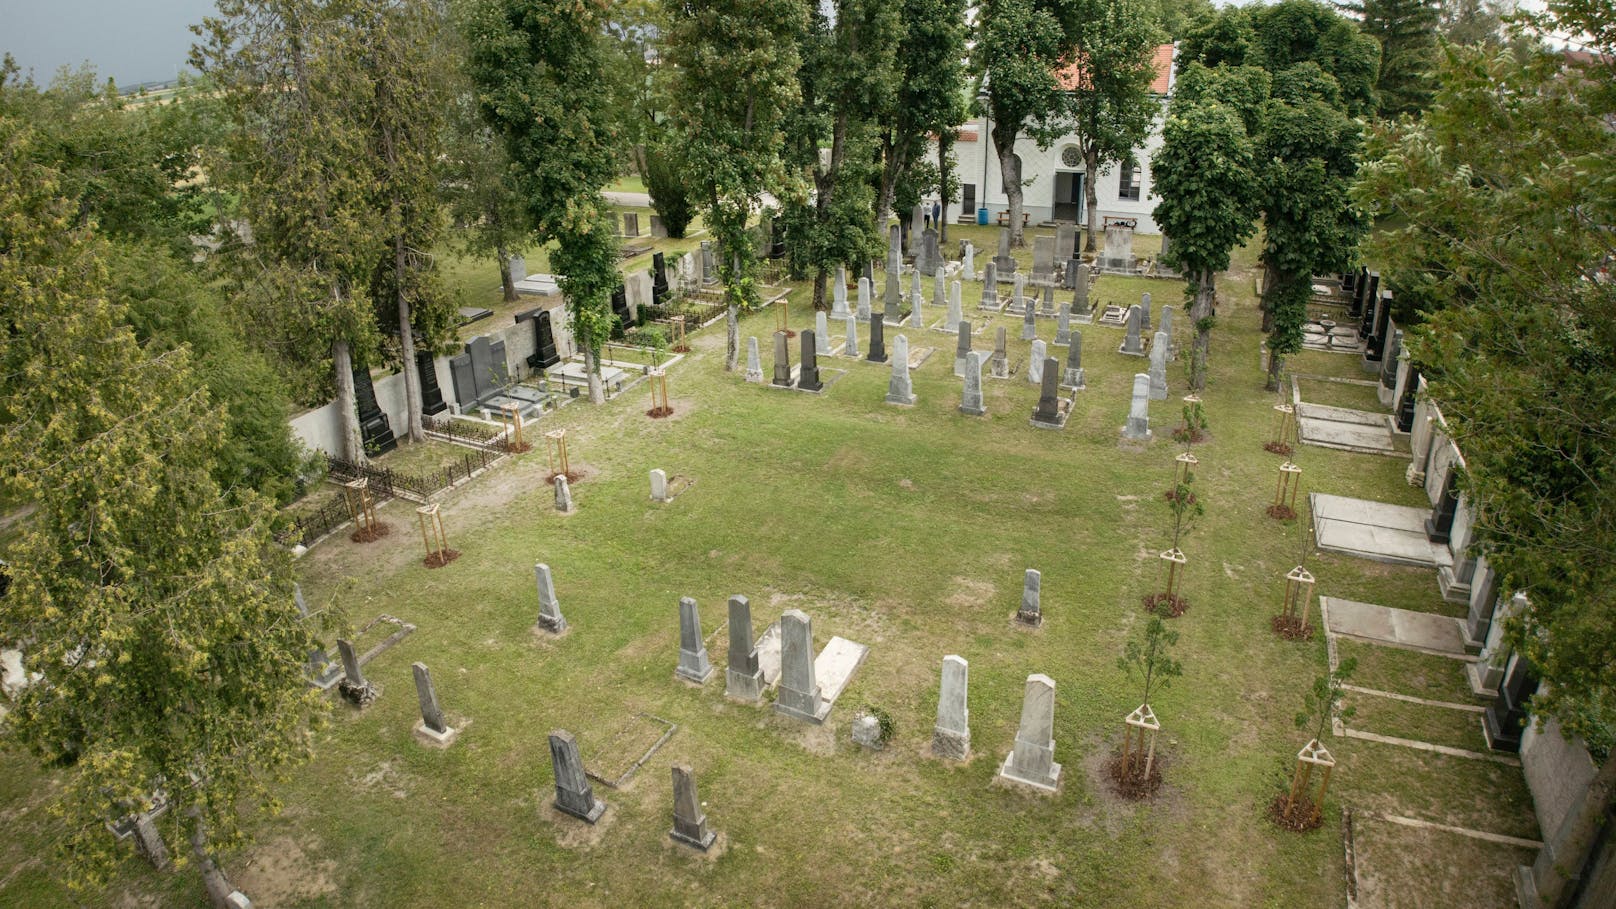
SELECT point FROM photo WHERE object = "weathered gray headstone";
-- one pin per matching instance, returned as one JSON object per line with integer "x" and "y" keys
{"x": 899, "y": 389}
{"x": 878, "y": 347}
{"x": 1032, "y": 761}
{"x": 1063, "y": 324}
{"x": 939, "y": 288}
{"x": 659, "y": 485}
{"x": 808, "y": 373}
{"x": 971, "y": 401}
{"x": 659, "y": 231}
{"x": 149, "y": 840}
{"x": 238, "y": 900}
{"x": 917, "y": 225}
{"x": 693, "y": 663}
{"x": 999, "y": 363}
{"x": 1047, "y": 413}
{"x": 863, "y": 299}
{"x": 838, "y": 293}
{"x": 916, "y": 318}
{"x": 822, "y": 334}
{"x": 1081, "y": 310}
{"x": 550, "y": 618}
{"x": 744, "y": 677}
{"x": 1047, "y": 310}
{"x": 689, "y": 821}
{"x": 951, "y": 736}
{"x": 433, "y": 726}
{"x": 1029, "y": 318}
{"x": 1065, "y": 241}
{"x": 1118, "y": 248}
{"x": 1005, "y": 263}
{"x": 1138, "y": 426}
{"x": 631, "y": 224}
{"x": 754, "y": 363}
{"x": 850, "y": 347}
{"x": 709, "y": 268}
{"x": 894, "y": 248}
{"x": 990, "y": 288}
{"x": 929, "y": 257}
{"x": 574, "y": 795}
{"x": 1043, "y": 258}
{"x": 782, "y": 360}
{"x": 1032, "y": 586}
{"x": 563, "y": 494}
{"x": 968, "y": 262}
{"x": 1158, "y": 367}
{"x": 1074, "y": 362}
{"x": 1035, "y": 362}
{"x": 1167, "y": 327}
{"x": 962, "y": 348}
{"x": 867, "y": 732}
{"x": 799, "y": 693}
{"x": 956, "y": 310}
{"x": 891, "y": 303}
{"x": 354, "y": 686}
{"x": 1144, "y": 312}
{"x": 1132, "y": 344}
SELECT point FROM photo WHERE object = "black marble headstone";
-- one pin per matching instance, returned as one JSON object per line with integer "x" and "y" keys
{"x": 431, "y": 394}
{"x": 1439, "y": 526}
{"x": 1410, "y": 399}
{"x": 878, "y": 347}
{"x": 1506, "y": 718}
{"x": 544, "y": 353}
{"x": 620, "y": 310}
{"x": 374, "y": 427}
{"x": 659, "y": 281}
{"x": 808, "y": 373}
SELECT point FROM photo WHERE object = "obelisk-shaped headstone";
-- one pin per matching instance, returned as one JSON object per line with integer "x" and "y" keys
{"x": 962, "y": 348}
{"x": 1138, "y": 426}
{"x": 939, "y": 287}
{"x": 693, "y": 663}
{"x": 863, "y": 299}
{"x": 1063, "y": 324}
{"x": 899, "y": 389}
{"x": 808, "y": 373}
{"x": 822, "y": 334}
{"x": 744, "y": 677}
{"x": 1158, "y": 367}
{"x": 990, "y": 288}
{"x": 1167, "y": 327}
{"x": 799, "y": 692}
{"x": 689, "y": 821}
{"x": 838, "y": 294}
{"x": 850, "y": 346}
{"x": 1074, "y": 362}
{"x": 1144, "y": 312}
{"x": 968, "y": 262}
{"x": 999, "y": 364}
{"x": 1048, "y": 410}
{"x": 956, "y": 311}
{"x": 1132, "y": 344}
{"x": 754, "y": 363}
{"x": 782, "y": 360}
{"x": 550, "y": 618}
{"x": 878, "y": 347}
{"x": 916, "y": 318}
{"x": 574, "y": 795}
{"x": 433, "y": 727}
{"x": 1032, "y": 761}
{"x": 971, "y": 400}
{"x": 951, "y": 736}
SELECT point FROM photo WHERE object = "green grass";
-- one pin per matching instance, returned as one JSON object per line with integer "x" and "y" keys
{"x": 1421, "y": 675}
{"x": 1340, "y": 394}
{"x": 1420, "y": 722}
{"x": 906, "y": 529}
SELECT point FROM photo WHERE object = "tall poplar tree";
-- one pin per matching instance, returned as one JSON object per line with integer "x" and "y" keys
{"x": 929, "y": 97}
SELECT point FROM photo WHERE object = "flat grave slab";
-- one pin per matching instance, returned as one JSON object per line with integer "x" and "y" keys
{"x": 1375, "y": 531}
{"x": 834, "y": 668}
{"x": 1403, "y": 628}
{"x": 1348, "y": 430}
{"x": 538, "y": 286}
{"x": 768, "y": 648}
{"x": 470, "y": 314}
{"x": 1116, "y": 316}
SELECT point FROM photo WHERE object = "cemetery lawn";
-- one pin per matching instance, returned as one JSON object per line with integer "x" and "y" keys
{"x": 906, "y": 529}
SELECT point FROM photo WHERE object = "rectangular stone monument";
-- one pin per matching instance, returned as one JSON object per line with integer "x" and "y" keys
{"x": 951, "y": 736}
{"x": 956, "y": 311}
{"x": 1138, "y": 426}
{"x": 1029, "y": 318}
{"x": 822, "y": 334}
{"x": 659, "y": 231}
{"x": 1065, "y": 241}
{"x": 1048, "y": 413}
{"x": 863, "y": 299}
{"x": 744, "y": 677}
{"x": 968, "y": 262}
{"x": 1004, "y": 262}
{"x": 659, "y": 485}
{"x": 1074, "y": 362}
{"x": 689, "y": 821}
{"x": 799, "y": 692}
{"x": 1063, "y": 324}
{"x": 999, "y": 363}
{"x": 917, "y": 318}
{"x": 971, "y": 400}
{"x": 550, "y": 618}
{"x": 808, "y": 373}
{"x": 1031, "y": 609}
{"x": 962, "y": 348}
{"x": 1047, "y": 310}
{"x": 1158, "y": 367}
{"x": 1132, "y": 344}
{"x": 631, "y": 224}
{"x": 850, "y": 347}
{"x": 1043, "y": 259}
{"x": 693, "y": 663}
{"x": 891, "y": 302}
{"x": 1167, "y": 327}
{"x": 574, "y": 795}
{"x": 709, "y": 267}
{"x": 930, "y": 258}
{"x": 563, "y": 494}
{"x": 1118, "y": 254}
{"x": 782, "y": 360}
{"x": 838, "y": 294}
{"x": 990, "y": 288}
{"x": 354, "y": 687}
{"x": 1032, "y": 761}
{"x": 917, "y": 226}
{"x": 1082, "y": 310}
{"x": 899, "y": 388}
{"x": 754, "y": 363}
{"x": 878, "y": 348}
{"x": 433, "y": 727}
{"x": 1035, "y": 362}
{"x": 939, "y": 288}
{"x": 1144, "y": 312}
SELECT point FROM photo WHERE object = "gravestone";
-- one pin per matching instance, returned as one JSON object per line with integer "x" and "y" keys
{"x": 1018, "y": 296}
{"x": 968, "y": 262}
{"x": 971, "y": 400}
{"x": 375, "y": 430}
{"x": 1167, "y": 327}
{"x": 1065, "y": 241}
{"x": 1047, "y": 413}
{"x": 1132, "y": 345}
{"x": 1004, "y": 262}
{"x": 1081, "y": 309}
{"x": 1394, "y": 351}
{"x": 917, "y": 319}
{"x": 518, "y": 267}
{"x": 631, "y": 224}
{"x": 149, "y": 841}
{"x": 744, "y": 677}
{"x": 550, "y": 618}
{"x": 1158, "y": 367}
{"x": 622, "y": 321}
{"x": 864, "y": 299}
{"x": 433, "y": 727}
{"x": 659, "y": 485}
{"x": 659, "y": 231}
{"x": 899, "y": 389}
{"x": 1047, "y": 310}
{"x": 990, "y": 287}
{"x": 838, "y": 294}
{"x": 878, "y": 348}
{"x": 782, "y": 360}
{"x": 891, "y": 305}
{"x": 951, "y": 735}
{"x": 999, "y": 363}
{"x": 693, "y": 663}
{"x": 354, "y": 686}
{"x": 1031, "y": 610}
{"x": 689, "y": 821}
{"x": 799, "y": 693}
{"x": 1043, "y": 258}
{"x": 914, "y": 284}
{"x": 956, "y": 311}
{"x": 426, "y": 368}
{"x": 1144, "y": 312}
{"x": 894, "y": 249}
{"x": 930, "y": 257}
{"x": 1074, "y": 362}
{"x": 962, "y": 348}
{"x": 808, "y": 374}
{"x": 821, "y": 334}
{"x": 939, "y": 288}
{"x": 709, "y": 268}
{"x": 1063, "y": 324}
{"x": 1029, "y": 318}
{"x": 574, "y": 795}
{"x": 754, "y": 363}
{"x": 850, "y": 346}
{"x": 917, "y": 225}
{"x": 659, "y": 278}
{"x": 1118, "y": 248}
{"x": 1035, "y": 362}
{"x": 1032, "y": 760}
{"x": 563, "y": 494}
{"x": 237, "y": 900}
{"x": 867, "y": 732}
{"x": 1138, "y": 426}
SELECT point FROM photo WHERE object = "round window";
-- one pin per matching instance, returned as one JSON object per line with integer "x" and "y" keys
{"x": 1071, "y": 157}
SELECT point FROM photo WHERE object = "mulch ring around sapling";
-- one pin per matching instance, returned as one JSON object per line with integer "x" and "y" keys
{"x": 372, "y": 533}
{"x": 1279, "y": 448}
{"x": 1303, "y": 817}
{"x": 1130, "y": 782}
{"x": 1291, "y": 628}
{"x": 441, "y": 558}
{"x": 657, "y": 413}
{"x": 1171, "y": 496}
{"x": 1282, "y": 512}
{"x": 1166, "y": 605}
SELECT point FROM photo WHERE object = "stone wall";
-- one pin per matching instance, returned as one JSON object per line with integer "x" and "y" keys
{"x": 1558, "y": 771}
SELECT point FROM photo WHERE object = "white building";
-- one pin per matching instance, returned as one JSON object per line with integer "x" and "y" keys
{"x": 1055, "y": 191}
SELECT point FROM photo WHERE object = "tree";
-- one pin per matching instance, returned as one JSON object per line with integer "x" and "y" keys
{"x": 1149, "y": 659}
{"x": 736, "y": 63}
{"x": 846, "y": 77}
{"x": 299, "y": 161}
{"x": 1178, "y": 18}
{"x": 158, "y": 610}
{"x": 640, "y": 104}
{"x": 1109, "y": 103}
{"x": 483, "y": 198}
{"x": 1471, "y": 22}
{"x": 539, "y": 68}
{"x": 1207, "y": 181}
{"x": 1302, "y": 31}
{"x": 1020, "y": 46}
{"x": 1407, "y": 32}
{"x": 927, "y": 99}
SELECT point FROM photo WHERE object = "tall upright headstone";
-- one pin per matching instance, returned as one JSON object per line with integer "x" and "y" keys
{"x": 968, "y": 262}
{"x": 917, "y": 319}
{"x": 709, "y": 267}
{"x": 850, "y": 347}
{"x": 1032, "y": 760}
{"x": 689, "y": 821}
{"x": 999, "y": 363}
{"x": 1074, "y": 362}
{"x": 1047, "y": 310}
{"x": 659, "y": 485}
{"x": 1035, "y": 362}
{"x": 930, "y": 257}
{"x": 354, "y": 686}
{"x": 939, "y": 288}
{"x": 1032, "y": 588}
{"x": 693, "y": 663}
{"x": 1029, "y": 323}
{"x": 744, "y": 677}
{"x": 1132, "y": 344}
{"x": 433, "y": 726}
{"x": 574, "y": 795}
{"x": 891, "y": 304}
{"x": 754, "y": 363}
{"x": 863, "y": 312}
{"x": 956, "y": 310}
{"x": 782, "y": 360}
{"x": 899, "y": 388}
{"x": 1003, "y": 261}
{"x": 1065, "y": 241}
{"x": 1047, "y": 413}
{"x": 951, "y": 735}
{"x": 550, "y": 618}
{"x": 917, "y": 225}
{"x": 990, "y": 288}
{"x": 962, "y": 348}
{"x": 1144, "y": 312}
{"x": 563, "y": 494}
{"x": 1043, "y": 258}
{"x": 1138, "y": 426}
{"x": 822, "y": 334}
{"x": 1158, "y": 367}
{"x": 799, "y": 692}
{"x": 808, "y": 373}
{"x": 1081, "y": 309}
{"x": 971, "y": 400}
{"x": 878, "y": 347}
{"x": 1063, "y": 324}
{"x": 1167, "y": 327}
{"x": 838, "y": 294}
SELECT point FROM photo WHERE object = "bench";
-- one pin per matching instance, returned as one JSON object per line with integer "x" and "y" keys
{"x": 1004, "y": 219}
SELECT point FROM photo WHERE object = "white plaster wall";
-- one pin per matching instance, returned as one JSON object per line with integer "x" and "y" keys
{"x": 1558, "y": 772}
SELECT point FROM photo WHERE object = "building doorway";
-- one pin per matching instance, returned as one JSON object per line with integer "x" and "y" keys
{"x": 1068, "y": 196}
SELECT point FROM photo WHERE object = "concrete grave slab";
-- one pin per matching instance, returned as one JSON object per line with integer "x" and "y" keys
{"x": 1375, "y": 531}
{"x": 834, "y": 668}
{"x": 1402, "y": 628}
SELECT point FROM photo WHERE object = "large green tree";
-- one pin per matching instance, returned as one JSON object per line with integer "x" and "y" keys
{"x": 928, "y": 99}
{"x": 736, "y": 63}
{"x": 484, "y": 201}
{"x": 1494, "y": 211}
{"x": 157, "y": 610}
{"x": 540, "y": 73}
{"x": 1407, "y": 32}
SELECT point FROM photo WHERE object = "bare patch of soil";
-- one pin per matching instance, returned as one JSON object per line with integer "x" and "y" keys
{"x": 1303, "y": 816}
{"x": 372, "y": 533}
{"x": 441, "y": 558}
{"x": 1282, "y": 512}
{"x": 1291, "y": 628}
{"x": 1129, "y": 780}
{"x": 281, "y": 872}
{"x": 1166, "y": 605}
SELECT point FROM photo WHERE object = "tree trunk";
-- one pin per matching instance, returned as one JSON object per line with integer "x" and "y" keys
{"x": 732, "y": 338}
{"x": 1010, "y": 174}
{"x": 1276, "y": 367}
{"x": 1091, "y": 196}
{"x": 406, "y": 346}
{"x": 505, "y": 280}
{"x": 1201, "y": 316}
{"x": 945, "y": 138}
{"x": 1263, "y": 303}
{"x": 890, "y": 172}
{"x": 219, "y": 888}
{"x": 1560, "y": 861}
{"x": 597, "y": 391}
{"x": 351, "y": 443}
{"x": 820, "y": 276}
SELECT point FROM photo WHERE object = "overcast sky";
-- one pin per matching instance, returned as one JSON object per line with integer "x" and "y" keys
{"x": 132, "y": 41}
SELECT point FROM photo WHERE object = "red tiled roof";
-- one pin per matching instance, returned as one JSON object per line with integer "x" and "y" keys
{"x": 1162, "y": 58}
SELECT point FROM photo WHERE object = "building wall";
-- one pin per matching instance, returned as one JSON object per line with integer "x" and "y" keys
{"x": 1558, "y": 772}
